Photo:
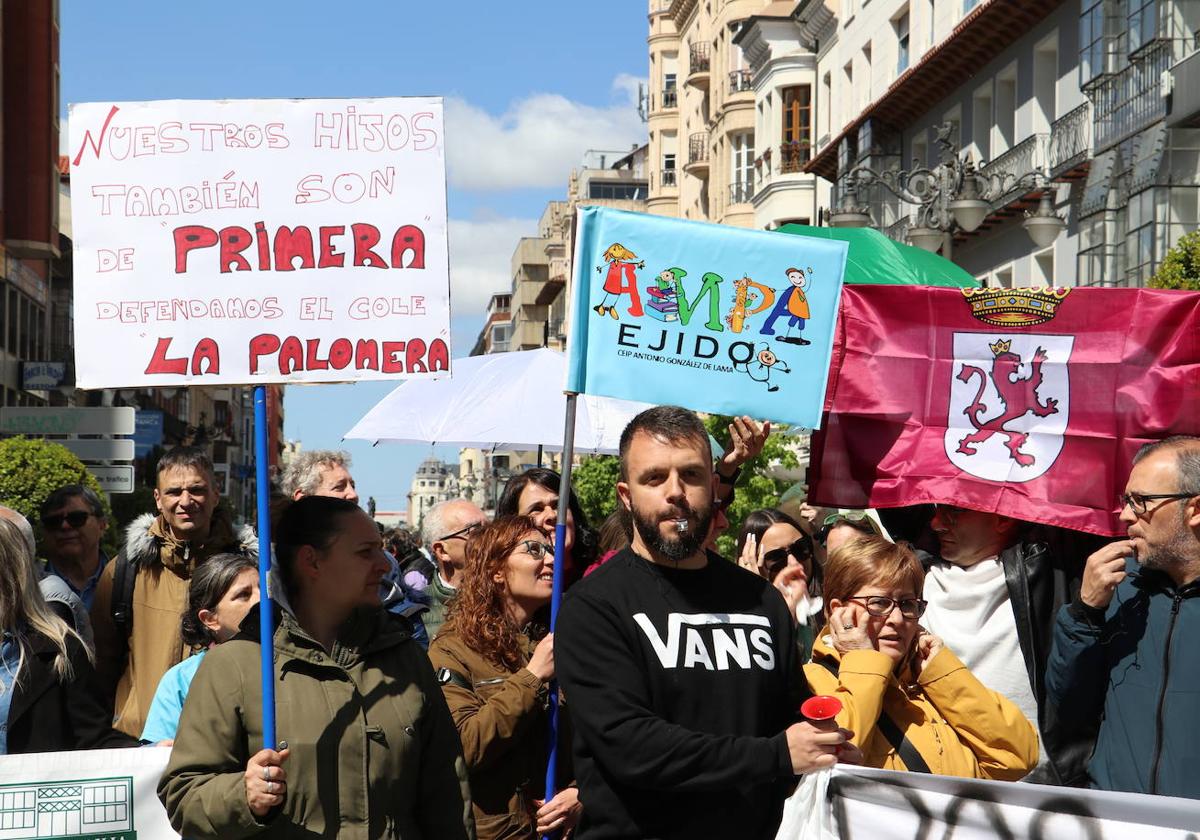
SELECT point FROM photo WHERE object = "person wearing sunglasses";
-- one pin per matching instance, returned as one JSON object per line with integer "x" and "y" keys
{"x": 909, "y": 700}
{"x": 495, "y": 661}
{"x": 1124, "y": 656}
{"x": 73, "y": 524}
{"x": 446, "y": 530}
{"x": 775, "y": 546}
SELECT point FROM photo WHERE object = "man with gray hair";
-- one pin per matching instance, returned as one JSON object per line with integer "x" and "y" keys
{"x": 321, "y": 472}
{"x": 445, "y": 530}
{"x": 65, "y": 604}
{"x": 326, "y": 472}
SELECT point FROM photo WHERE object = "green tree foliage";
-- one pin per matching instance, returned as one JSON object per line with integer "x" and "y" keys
{"x": 32, "y": 468}
{"x": 755, "y": 488}
{"x": 594, "y": 481}
{"x": 1181, "y": 267}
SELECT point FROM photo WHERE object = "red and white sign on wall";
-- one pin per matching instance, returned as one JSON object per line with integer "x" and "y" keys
{"x": 259, "y": 241}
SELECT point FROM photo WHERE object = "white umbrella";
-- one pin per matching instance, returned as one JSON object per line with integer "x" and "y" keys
{"x": 502, "y": 400}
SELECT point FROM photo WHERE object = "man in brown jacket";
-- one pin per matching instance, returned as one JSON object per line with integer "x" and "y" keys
{"x": 143, "y": 593}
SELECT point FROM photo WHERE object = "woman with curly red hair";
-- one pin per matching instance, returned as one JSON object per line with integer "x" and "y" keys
{"x": 495, "y": 661}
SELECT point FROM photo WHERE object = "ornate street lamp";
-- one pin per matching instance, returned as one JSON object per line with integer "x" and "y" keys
{"x": 953, "y": 194}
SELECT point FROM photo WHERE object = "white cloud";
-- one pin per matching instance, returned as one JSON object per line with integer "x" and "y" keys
{"x": 480, "y": 253}
{"x": 537, "y": 141}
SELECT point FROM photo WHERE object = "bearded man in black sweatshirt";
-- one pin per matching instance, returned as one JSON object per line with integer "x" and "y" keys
{"x": 680, "y": 669}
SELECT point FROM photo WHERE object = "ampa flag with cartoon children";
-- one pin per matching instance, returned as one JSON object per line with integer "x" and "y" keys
{"x": 714, "y": 318}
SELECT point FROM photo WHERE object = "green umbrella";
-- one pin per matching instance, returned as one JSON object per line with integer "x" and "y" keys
{"x": 873, "y": 258}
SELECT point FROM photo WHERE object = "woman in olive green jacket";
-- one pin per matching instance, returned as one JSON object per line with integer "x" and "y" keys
{"x": 494, "y": 672}
{"x": 371, "y": 750}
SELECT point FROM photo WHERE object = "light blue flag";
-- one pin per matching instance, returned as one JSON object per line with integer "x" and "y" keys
{"x": 713, "y": 318}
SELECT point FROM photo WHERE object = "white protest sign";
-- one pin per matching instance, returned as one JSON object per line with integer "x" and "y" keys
{"x": 870, "y": 803}
{"x": 256, "y": 241}
{"x": 107, "y": 794}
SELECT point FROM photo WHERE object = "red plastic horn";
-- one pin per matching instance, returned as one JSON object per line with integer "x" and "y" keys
{"x": 821, "y": 708}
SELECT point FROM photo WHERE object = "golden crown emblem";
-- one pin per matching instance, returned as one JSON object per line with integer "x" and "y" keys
{"x": 1002, "y": 345}
{"x": 1015, "y": 307}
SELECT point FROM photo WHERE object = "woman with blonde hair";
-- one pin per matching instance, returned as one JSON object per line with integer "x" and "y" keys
{"x": 495, "y": 661}
{"x": 909, "y": 700}
{"x": 49, "y": 699}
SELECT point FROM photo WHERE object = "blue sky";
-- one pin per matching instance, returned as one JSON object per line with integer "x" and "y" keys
{"x": 529, "y": 87}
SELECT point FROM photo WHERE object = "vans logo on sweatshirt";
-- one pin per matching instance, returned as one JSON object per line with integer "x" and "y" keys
{"x": 713, "y": 641}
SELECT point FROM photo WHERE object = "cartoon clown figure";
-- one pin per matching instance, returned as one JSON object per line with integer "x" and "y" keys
{"x": 792, "y": 303}
{"x": 621, "y": 279}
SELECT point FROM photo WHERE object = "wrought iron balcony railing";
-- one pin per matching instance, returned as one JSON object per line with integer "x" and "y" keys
{"x": 667, "y": 178}
{"x": 793, "y": 155}
{"x": 698, "y": 147}
{"x": 739, "y": 81}
{"x": 699, "y": 60}
{"x": 1070, "y": 139}
{"x": 741, "y": 192}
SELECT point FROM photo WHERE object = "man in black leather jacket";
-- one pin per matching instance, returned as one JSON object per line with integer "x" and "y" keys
{"x": 995, "y": 586}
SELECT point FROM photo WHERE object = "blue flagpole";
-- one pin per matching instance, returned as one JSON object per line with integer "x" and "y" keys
{"x": 265, "y": 615}
{"x": 560, "y": 541}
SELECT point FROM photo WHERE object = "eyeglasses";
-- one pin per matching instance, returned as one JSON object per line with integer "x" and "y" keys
{"x": 461, "y": 533}
{"x": 881, "y": 607}
{"x": 75, "y": 519}
{"x": 776, "y": 559}
{"x": 538, "y": 550}
{"x": 1137, "y": 501}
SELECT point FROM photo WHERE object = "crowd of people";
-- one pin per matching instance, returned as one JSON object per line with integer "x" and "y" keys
{"x": 414, "y": 674}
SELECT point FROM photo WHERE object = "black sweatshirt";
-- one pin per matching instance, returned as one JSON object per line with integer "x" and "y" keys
{"x": 681, "y": 684}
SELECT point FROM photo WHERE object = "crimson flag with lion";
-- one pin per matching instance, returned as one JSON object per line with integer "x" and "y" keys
{"x": 1025, "y": 402}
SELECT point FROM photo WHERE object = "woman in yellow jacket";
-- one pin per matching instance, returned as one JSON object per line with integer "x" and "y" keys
{"x": 909, "y": 700}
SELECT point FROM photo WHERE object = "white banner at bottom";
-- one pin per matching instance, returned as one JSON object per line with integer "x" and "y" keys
{"x": 869, "y": 804}
{"x": 93, "y": 795}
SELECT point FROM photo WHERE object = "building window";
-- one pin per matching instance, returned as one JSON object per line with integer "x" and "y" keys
{"x": 797, "y": 128}
{"x": 616, "y": 191}
{"x": 968, "y": 5}
{"x": 1143, "y": 23}
{"x": 501, "y": 334}
{"x": 1139, "y": 240}
{"x": 901, "y": 26}
{"x": 741, "y": 187}
{"x": 668, "y": 169}
{"x": 1091, "y": 40}
{"x": 670, "y": 96}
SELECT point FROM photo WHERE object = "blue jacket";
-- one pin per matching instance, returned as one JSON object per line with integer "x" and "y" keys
{"x": 1136, "y": 668}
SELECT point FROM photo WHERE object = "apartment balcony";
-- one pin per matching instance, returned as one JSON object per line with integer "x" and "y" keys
{"x": 698, "y": 154}
{"x": 1130, "y": 100}
{"x": 1185, "y": 92}
{"x": 1005, "y": 172}
{"x": 699, "y": 64}
{"x": 741, "y": 193}
{"x": 668, "y": 178}
{"x": 740, "y": 82}
{"x": 793, "y": 156}
{"x": 1070, "y": 150}
{"x": 527, "y": 335}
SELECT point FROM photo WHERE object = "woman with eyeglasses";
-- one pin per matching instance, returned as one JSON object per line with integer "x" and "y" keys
{"x": 495, "y": 661}
{"x": 910, "y": 702}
